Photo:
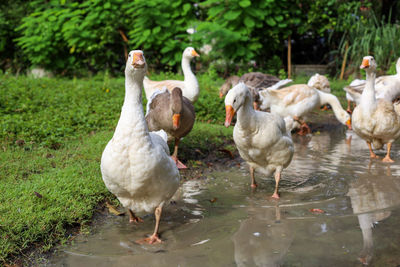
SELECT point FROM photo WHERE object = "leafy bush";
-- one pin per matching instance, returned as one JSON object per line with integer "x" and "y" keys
{"x": 11, "y": 13}
{"x": 365, "y": 35}
{"x": 73, "y": 36}
{"x": 160, "y": 27}
{"x": 241, "y": 30}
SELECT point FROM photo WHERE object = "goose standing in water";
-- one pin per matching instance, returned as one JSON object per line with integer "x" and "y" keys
{"x": 261, "y": 137}
{"x": 136, "y": 165}
{"x": 375, "y": 120}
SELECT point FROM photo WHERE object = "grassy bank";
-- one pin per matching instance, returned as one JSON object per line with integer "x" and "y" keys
{"x": 46, "y": 191}
{"x": 52, "y": 135}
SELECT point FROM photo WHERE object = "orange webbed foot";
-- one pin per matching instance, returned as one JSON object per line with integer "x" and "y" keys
{"x": 153, "y": 239}
{"x": 374, "y": 156}
{"x": 387, "y": 159}
{"x": 136, "y": 220}
{"x": 178, "y": 163}
{"x": 275, "y": 196}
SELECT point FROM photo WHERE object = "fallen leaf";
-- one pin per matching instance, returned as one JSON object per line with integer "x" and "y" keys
{"x": 113, "y": 210}
{"x": 226, "y": 151}
{"x": 38, "y": 195}
{"x": 213, "y": 200}
{"x": 20, "y": 142}
{"x": 317, "y": 211}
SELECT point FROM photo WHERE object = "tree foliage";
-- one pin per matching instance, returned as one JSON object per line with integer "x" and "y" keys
{"x": 160, "y": 27}
{"x": 73, "y": 36}
{"x": 242, "y": 30}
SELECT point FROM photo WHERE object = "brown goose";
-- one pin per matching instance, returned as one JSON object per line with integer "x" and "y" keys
{"x": 228, "y": 84}
{"x": 255, "y": 81}
{"x": 172, "y": 113}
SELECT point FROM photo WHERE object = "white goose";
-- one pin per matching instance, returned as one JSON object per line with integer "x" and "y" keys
{"x": 260, "y": 137}
{"x": 135, "y": 164}
{"x": 375, "y": 120}
{"x": 320, "y": 82}
{"x": 189, "y": 86}
{"x": 386, "y": 87}
{"x": 298, "y": 100}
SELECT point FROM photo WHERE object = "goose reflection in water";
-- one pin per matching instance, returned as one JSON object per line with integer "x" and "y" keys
{"x": 372, "y": 194}
{"x": 263, "y": 239}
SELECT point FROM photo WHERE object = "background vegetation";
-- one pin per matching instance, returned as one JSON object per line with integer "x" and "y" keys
{"x": 90, "y": 36}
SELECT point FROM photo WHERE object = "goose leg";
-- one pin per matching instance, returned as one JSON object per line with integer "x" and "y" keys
{"x": 387, "y": 157}
{"x": 174, "y": 156}
{"x": 133, "y": 218}
{"x": 255, "y": 106}
{"x": 253, "y": 180}
{"x": 324, "y": 107}
{"x": 304, "y": 128}
{"x": 349, "y": 106}
{"x": 371, "y": 153}
{"x": 277, "y": 179}
{"x": 154, "y": 238}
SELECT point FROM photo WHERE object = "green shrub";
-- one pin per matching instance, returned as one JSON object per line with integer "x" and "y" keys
{"x": 160, "y": 27}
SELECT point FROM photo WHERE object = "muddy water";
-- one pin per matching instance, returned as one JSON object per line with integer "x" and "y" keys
{"x": 220, "y": 221}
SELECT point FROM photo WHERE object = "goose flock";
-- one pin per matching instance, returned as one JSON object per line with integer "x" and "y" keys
{"x": 136, "y": 164}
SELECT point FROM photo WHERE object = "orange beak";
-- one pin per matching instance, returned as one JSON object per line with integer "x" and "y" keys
{"x": 348, "y": 123}
{"x": 194, "y": 53}
{"x": 221, "y": 95}
{"x": 138, "y": 60}
{"x": 364, "y": 64}
{"x": 229, "y": 115}
{"x": 176, "y": 120}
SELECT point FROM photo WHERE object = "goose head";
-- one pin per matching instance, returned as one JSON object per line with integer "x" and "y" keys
{"x": 136, "y": 64}
{"x": 320, "y": 82}
{"x": 265, "y": 99}
{"x": 234, "y": 100}
{"x": 368, "y": 64}
{"x": 344, "y": 118}
{"x": 176, "y": 107}
{"x": 228, "y": 84}
{"x": 190, "y": 53}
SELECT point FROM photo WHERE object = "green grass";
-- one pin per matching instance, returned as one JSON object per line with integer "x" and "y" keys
{"x": 53, "y": 180}
{"x": 45, "y": 191}
{"x": 69, "y": 183}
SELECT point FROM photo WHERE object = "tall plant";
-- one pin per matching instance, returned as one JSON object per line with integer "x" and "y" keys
{"x": 244, "y": 30}
{"x": 365, "y": 35}
{"x": 160, "y": 27}
{"x": 63, "y": 35}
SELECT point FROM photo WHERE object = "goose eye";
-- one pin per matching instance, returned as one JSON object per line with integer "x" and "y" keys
{"x": 234, "y": 100}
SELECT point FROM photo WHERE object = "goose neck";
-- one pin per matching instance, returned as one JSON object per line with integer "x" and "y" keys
{"x": 333, "y": 101}
{"x": 132, "y": 127}
{"x": 368, "y": 99}
{"x": 245, "y": 114}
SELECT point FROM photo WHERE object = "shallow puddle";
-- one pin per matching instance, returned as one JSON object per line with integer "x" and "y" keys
{"x": 220, "y": 221}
